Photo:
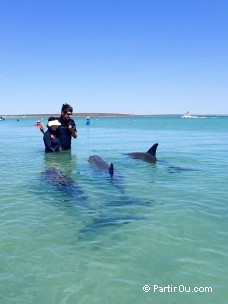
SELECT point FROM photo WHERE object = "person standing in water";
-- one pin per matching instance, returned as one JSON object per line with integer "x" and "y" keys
{"x": 51, "y": 141}
{"x": 67, "y": 128}
{"x": 87, "y": 120}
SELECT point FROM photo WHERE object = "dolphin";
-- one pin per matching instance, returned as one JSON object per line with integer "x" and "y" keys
{"x": 176, "y": 169}
{"x": 63, "y": 183}
{"x": 57, "y": 178}
{"x": 127, "y": 201}
{"x": 149, "y": 156}
{"x": 68, "y": 186}
{"x": 106, "y": 221}
{"x": 99, "y": 163}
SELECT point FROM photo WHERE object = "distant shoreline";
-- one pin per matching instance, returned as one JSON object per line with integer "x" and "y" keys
{"x": 74, "y": 115}
{"x": 105, "y": 115}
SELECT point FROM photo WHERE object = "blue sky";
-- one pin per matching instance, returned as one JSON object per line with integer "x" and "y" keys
{"x": 115, "y": 56}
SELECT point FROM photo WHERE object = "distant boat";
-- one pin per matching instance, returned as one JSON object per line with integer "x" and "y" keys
{"x": 1, "y": 118}
{"x": 188, "y": 115}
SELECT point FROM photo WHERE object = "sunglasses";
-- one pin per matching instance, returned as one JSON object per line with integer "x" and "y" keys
{"x": 68, "y": 113}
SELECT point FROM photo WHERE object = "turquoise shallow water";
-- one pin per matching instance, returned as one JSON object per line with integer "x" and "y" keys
{"x": 170, "y": 219}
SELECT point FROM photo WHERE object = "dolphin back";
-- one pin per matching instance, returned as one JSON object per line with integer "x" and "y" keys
{"x": 101, "y": 164}
{"x": 56, "y": 177}
{"x": 149, "y": 156}
{"x": 64, "y": 184}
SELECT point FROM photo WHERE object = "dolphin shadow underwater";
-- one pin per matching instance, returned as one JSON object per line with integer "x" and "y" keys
{"x": 68, "y": 186}
{"x": 107, "y": 221}
{"x": 150, "y": 157}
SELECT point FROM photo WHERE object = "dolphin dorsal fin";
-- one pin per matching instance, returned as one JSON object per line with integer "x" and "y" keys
{"x": 111, "y": 170}
{"x": 153, "y": 150}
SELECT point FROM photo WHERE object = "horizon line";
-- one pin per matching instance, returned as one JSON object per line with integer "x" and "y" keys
{"x": 82, "y": 114}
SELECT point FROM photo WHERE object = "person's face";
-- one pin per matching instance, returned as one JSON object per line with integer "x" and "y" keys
{"x": 66, "y": 115}
{"x": 54, "y": 128}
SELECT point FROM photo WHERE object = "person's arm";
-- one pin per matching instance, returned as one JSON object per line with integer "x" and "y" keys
{"x": 42, "y": 128}
{"x": 47, "y": 142}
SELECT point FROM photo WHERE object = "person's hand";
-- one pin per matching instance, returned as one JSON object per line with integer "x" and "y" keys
{"x": 42, "y": 127}
{"x": 72, "y": 131}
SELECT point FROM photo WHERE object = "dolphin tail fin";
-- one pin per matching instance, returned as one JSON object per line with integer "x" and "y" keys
{"x": 153, "y": 150}
{"x": 111, "y": 170}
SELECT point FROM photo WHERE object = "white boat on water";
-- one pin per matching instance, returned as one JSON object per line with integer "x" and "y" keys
{"x": 188, "y": 115}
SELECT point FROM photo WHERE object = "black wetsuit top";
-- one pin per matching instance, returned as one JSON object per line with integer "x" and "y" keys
{"x": 51, "y": 141}
{"x": 64, "y": 134}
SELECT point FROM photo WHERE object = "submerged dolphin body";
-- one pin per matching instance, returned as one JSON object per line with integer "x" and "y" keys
{"x": 68, "y": 186}
{"x": 57, "y": 178}
{"x": 127, "y": 201}
{"x": 106, "y": 221}
{"x": 63, "y": 183}
{"x": 99, "y": 163}
{"x": 176, "y": 169}
{"x": 149, "y": 156}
